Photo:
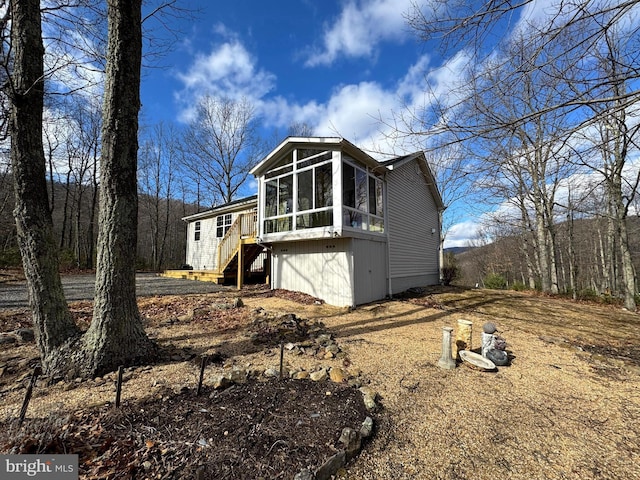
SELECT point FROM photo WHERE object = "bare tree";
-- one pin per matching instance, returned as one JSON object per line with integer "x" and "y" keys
{"x": 222, "y": 145}
{"x": 614, "y": 140}
{"x": 159, "y": 157}
{"x": 557, "y": 101}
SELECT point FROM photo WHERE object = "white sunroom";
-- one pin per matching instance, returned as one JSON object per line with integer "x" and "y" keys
{"x": 345, "y": 227}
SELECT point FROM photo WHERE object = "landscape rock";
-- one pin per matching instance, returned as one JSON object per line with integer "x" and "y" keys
{"x": 331, "y": 466}
{"x": 319, "y": 375}
{"x": 351, "y": 441}
{"x": 337, "y": 374}
{"x": 220, "y": 382}
{"x": 237, "y": 375}
{"x": 367, "y": 427}
{"x": 369, "y": 397}
{"x": 333, "y": 348}
{"x": 305, "y": 474}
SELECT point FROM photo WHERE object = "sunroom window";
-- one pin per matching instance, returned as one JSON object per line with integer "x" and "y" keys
{"x": 315, "y": 197}
{"x": 311, "y": 177}
{"x": 362, "y": 195}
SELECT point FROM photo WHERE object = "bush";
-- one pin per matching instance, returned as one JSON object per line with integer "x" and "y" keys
{"x": 10, "y": 258}
{"x": 518, "y": 286}
{"x": 67, "y": 260}
{"x": 450, "y": 270}
{"x": 495, "y": 281}
{"x": 589, "y": 294}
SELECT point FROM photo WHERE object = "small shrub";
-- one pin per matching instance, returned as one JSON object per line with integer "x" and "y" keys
{"x": 518, "y": 286}
{"x": 450, "y": 270}
{"x": 449, "y": 274}
{"x": 10, "y": 258}
{"x": 495, "y": 281}
{"x": 67, "y": 259}
{"x": 588, "y": 294}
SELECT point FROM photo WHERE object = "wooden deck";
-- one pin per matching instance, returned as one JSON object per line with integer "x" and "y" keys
{"x": 236, "y": 252}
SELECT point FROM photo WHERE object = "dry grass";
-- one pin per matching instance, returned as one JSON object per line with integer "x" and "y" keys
{"x": 567, "y": 407}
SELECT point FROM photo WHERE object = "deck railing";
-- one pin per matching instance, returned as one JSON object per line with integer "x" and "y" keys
{"x": 245, "y": 226}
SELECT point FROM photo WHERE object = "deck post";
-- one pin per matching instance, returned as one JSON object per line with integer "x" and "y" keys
{"x": 240, "y": 265}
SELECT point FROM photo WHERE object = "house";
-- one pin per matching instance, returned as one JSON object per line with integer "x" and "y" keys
{"x": 337, "y": 224}
{"x": 217, "y": 237}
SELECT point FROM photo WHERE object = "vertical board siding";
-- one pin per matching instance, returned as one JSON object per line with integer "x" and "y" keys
{"x": 411, "y": 216}
{"x": 321, "y": 268}
{"x": 370, "y": 270}
{"x": 202, "y": 255}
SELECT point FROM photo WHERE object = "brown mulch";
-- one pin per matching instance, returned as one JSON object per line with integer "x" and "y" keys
{"x": 255, "y": 430}
{"x": 258, "y": 429}
{"x": 567, "y": 406}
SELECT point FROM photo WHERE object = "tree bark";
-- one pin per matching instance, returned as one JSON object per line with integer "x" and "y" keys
{"x": 116, "y": 335}
{"x": 53, "y": 324}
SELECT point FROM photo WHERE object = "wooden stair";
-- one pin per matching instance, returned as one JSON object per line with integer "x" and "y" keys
{"x": 239, "y": 242}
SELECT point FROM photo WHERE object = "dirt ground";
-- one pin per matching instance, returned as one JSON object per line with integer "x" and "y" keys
{"x": 568, "y": 405}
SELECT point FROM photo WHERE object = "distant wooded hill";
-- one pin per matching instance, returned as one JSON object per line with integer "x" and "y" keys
{"x": 586, "y": 252}
{"x": 161, "y": 232}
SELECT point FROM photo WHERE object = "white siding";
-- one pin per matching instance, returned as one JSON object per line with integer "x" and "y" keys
{"x": 321, "y": 268}
{"x": 412, "y": 215}
{"x": 201, "y": 254}
{"x": 370, "y": 266}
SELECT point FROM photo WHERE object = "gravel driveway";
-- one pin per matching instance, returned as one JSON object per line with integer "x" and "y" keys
{"x": 80, "y": 287}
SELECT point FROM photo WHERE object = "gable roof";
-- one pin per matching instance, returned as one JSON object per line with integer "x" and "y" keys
{"x": 235, "y": 205}
{"x": 290, "y": 143}
{"x": 420, "y": 158}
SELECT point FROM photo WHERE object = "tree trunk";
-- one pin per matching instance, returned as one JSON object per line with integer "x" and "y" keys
{"x": 92, "y": 215}
{"x": 116, "y": 335}
{"x": 38, "y": 246}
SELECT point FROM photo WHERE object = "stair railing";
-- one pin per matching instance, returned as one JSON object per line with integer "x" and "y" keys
{"x": 245, "y": 226}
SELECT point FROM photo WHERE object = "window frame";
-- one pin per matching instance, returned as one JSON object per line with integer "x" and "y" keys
{"x": 222, "y": 226}
{"x": 359, "y": 216}
{"x": 294, "y": 218}
{"x": 197, "y": 229}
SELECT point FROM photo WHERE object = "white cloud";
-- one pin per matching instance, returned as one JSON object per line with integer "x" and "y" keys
{"x": 71, "y": 66}
{"x": 229, "y": 70}
{"x": 462, "y": 234}
{"x": 363, "y": 112}
{"x": 360, "y": 27}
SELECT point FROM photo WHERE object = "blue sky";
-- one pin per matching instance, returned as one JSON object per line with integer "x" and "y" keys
{"x": 346, "y": 68}
{"x": 350, "y": 68}
{"x": 335, "y": 65}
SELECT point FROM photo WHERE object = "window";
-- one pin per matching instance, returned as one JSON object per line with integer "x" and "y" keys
{"x": 278, "y": 203}
{"x": 311, "y": 177}
{"x": 349, "y": 185}
{"x": 315, "y": 188}
{"x": 305, "y": 190}
{"x": 363, "y": 205}
{"x": 323, "y": 186}
{"x": 223, "y": 224}
{"x": 196, "y": 230}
